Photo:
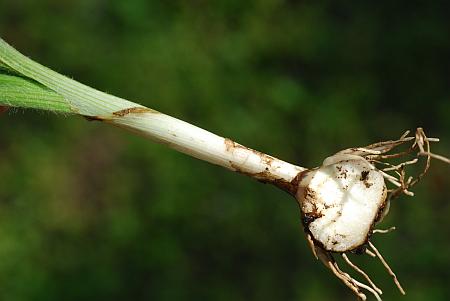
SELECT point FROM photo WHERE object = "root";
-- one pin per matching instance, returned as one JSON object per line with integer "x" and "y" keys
{"x": 388, "y": 268}
{"x": 370, "y": 253}
{"x": 378, "y": 153}
{"x": 384, "y": 231}
{"x": 439, "y": 157}
{"x": 354, "y": 285}
{"x": 311, "y": 245}
{"x": 359, "y": 270}
{"x": 362, "y": 285}
{"x": 328, "y": 260}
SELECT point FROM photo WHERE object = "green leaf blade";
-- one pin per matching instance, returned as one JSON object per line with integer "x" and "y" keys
{"x": 16, "y": 91}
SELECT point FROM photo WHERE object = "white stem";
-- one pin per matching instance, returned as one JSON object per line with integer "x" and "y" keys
{"x": 204, "y": 145}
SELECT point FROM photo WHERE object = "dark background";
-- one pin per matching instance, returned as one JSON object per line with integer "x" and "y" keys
{"x": 89, "y": 212}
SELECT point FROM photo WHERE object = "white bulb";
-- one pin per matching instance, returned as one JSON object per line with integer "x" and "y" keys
{"x": 341, "y": 201}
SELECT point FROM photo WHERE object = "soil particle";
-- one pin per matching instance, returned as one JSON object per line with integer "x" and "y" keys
{"x": 365, "y": 178}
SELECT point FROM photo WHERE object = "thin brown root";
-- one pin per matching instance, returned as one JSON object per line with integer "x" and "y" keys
{"x": 391, "y": 179}
{"x": 311, "y": 245}
{"x": 356, "y": 282}
{"x": 438, "y": 157}
{"x": 399, "y": 166}
{"x": 370, "y": 253}
{"x": 405, "y": 134}
{"x": 397, "y": 283}
{"x": 348, "y": 281}
{"x": 383, "y": 230}
{"x": 422, "y": 142}
{"x": 367, "y": 151}
{"x": 328, "y": 260}
{"x": 433, "y": 139}
{"x": 378, "y": 153}
{"x": 359, "y": 270}
{"x": 362, "y": 285}
{"x": 386, "y": 146}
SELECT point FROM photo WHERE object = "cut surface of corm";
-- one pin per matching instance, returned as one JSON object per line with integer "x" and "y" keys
{"x": 340, "y": 203}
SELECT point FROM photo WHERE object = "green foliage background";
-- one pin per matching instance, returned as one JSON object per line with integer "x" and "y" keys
{"x": 89, "y": 212}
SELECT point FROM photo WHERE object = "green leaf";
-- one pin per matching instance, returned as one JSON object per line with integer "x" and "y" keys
{"x": 83, "y": 99}
{"x": 16, "y": 91}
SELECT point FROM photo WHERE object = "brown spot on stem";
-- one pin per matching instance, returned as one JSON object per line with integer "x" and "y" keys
{"x": 265, "y": 176}
{"x": 230, "y": 145}
{"x": 121, "y": 113}
{"x": 135, "y": 110}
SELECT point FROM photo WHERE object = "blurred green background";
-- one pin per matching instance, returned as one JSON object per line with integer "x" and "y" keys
{"x": 89, "y": 212}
